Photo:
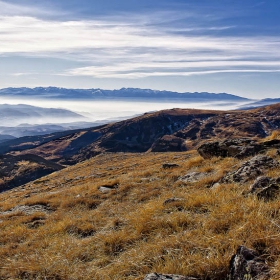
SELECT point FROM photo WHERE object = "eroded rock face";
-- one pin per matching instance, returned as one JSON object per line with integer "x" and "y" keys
{"x": 247, "y": 264}
{"x": 251, "y": 169}
{"x": 238, "y": 148}
{"x": 265, "y": 187}
{"x": 169, "y": 143}
{"x": 156, "y": 276}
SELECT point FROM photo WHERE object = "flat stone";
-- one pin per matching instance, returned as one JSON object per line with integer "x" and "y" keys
{"x": 107, "y": 188}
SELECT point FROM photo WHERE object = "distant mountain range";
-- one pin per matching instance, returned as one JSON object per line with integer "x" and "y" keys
{"x": 133, "y": 94}
{"x": 123, "y": 93}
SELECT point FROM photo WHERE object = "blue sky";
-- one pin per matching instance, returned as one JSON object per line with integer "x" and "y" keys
{"x": 198, "y": 45}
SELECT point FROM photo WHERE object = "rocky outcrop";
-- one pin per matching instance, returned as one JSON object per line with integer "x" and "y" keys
{"x": 247, "y": 264}
{"x": 156, "y": 276}
{"x": 238, "y": 148}
{"x": 251, "y": 169}
{"x": 265, "y": 187}
{"x": 169, "y": 143}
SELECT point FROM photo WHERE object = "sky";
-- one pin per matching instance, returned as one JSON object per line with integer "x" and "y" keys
{"x": 228, "y": 46}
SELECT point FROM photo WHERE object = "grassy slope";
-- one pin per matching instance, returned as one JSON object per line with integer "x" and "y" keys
{"x": 129, "y": 232}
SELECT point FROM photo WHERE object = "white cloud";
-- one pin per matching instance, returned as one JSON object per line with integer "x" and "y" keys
{"x": 133, "y": 48}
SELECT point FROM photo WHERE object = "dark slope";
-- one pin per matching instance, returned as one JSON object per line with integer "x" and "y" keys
{"x": 18, "y": 170}
{"x": 187, "y": 129}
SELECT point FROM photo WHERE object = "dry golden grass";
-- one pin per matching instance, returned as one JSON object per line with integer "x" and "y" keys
{"x": 274, "y": 135}
{"x": 131, "y": 231}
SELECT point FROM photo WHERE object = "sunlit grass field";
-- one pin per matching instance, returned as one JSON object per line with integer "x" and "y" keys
{"x": 133, "y": 227}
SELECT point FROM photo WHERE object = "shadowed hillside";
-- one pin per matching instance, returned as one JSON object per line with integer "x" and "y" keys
{"x": 186, "y": 129}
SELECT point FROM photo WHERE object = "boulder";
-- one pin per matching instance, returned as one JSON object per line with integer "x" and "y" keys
{"x": 239, "y": 148}
{"x": 247, "y": 264}
{"x": 156, "y": 276}
{"x": 265, "y": 187}
{"x": 251, "y": 169}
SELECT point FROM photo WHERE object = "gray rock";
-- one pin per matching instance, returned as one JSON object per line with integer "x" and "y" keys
{"x": 247, "y": 264}
{"x": 28, "y": 209}
{"x": 192, "y": 177}
{"x": 251, "y": 169}
{"x": 107, "y": 188}
{"x": 156, "y": 276}
{"x": 265, "y": 187}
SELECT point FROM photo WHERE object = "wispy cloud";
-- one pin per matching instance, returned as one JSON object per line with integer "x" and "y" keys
{"x": 9, "y": 9}
{"x": 139, "y": 46}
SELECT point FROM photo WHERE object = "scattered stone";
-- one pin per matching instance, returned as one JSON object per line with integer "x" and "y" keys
{"x": 36, "y": 223}
{"x": 156, "y": 276}
{"x": 215, "y": 186}
{"x": 251, "y": 169}
{"x": 107, "y": 188}
{"x": 247, "y": 264}
{"x": 171, "y": 200}
{"x": 265, "y": 187}
{"x": 28, "y": 209}
{"x": 169, "y": 165}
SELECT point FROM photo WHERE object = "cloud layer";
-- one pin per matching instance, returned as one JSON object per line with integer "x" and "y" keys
{"x": 135, "y": 46}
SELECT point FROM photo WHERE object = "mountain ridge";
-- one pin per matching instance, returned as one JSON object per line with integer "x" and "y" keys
{"x": 185, "y": 128}
{"x": 125, "y": 93}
